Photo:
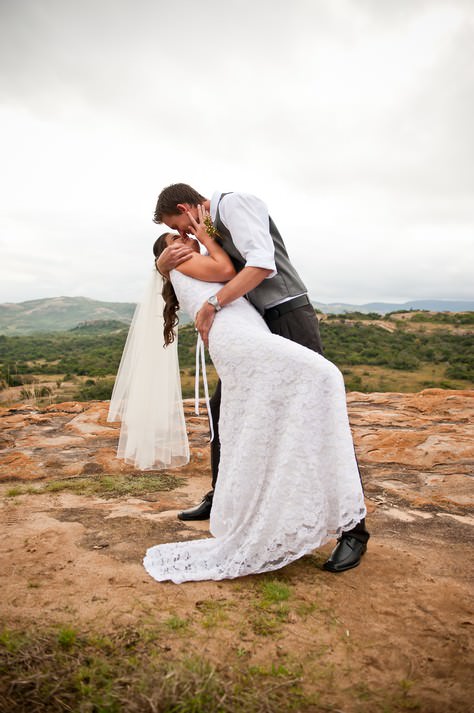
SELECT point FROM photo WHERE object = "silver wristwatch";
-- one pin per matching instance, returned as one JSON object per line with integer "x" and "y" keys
{"x": 215, "y": 303}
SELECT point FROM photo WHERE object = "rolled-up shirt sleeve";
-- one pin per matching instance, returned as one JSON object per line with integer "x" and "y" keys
{"x": 247, "y": 219}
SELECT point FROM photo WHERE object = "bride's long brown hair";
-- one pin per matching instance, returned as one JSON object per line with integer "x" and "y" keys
{"x": 170, "y": 310}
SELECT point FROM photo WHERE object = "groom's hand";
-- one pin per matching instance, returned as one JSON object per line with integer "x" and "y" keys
{"x": 204, "y": 320}
{"x": 171, "y": 257}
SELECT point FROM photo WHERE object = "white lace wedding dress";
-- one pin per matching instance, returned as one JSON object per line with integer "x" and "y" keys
{"x": 288, "y": 480}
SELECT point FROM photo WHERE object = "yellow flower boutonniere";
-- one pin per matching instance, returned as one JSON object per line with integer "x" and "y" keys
{"x": 211, "y": 230}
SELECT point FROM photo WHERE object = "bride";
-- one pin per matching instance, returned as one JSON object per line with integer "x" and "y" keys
{"x": 288, "y": 478}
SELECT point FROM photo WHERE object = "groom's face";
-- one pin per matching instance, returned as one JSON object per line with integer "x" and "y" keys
{"x": 180, "y": 221}
{"x": 192, "y": 243}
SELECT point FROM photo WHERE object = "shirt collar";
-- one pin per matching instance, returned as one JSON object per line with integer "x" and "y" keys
{"x": 214, "y": 203}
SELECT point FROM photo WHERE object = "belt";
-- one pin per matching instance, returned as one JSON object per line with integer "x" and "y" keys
{"x": 274, "y": 312}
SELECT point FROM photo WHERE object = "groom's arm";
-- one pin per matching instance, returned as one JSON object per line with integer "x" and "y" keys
{"x": 246, "y": 218}
{"x": 245, "y": 281}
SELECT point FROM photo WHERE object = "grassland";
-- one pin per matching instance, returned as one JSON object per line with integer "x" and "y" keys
{"x": 158, "y": 667}
{"x": 399, "y": 352}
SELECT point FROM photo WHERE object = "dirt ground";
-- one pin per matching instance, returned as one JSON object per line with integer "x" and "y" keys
{"x": 394, "y": 634}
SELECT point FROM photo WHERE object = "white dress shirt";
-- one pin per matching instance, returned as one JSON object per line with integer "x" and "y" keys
{"x": 247, "y": 219}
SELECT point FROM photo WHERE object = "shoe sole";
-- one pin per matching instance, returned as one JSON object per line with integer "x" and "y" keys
{"x": 339, "y": 571}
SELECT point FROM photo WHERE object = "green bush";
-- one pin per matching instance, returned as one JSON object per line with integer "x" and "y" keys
{"x": 96, "y": 355}
{"x": 101, "y": 390}
{"x": 459, "y": 371}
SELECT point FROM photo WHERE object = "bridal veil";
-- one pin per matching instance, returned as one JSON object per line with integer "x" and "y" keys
{"x": 147, "y": 391}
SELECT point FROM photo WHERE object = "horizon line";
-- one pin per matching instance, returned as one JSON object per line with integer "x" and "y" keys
{"x": 318, "y": 301}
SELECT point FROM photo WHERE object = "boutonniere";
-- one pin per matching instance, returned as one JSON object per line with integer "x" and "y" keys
{"x": 211, "y": 229}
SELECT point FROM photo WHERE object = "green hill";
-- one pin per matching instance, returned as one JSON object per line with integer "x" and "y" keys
{"x": 398, "y": 353}
{"x": 57, "y": 314}
{"x": 99, "y": 326}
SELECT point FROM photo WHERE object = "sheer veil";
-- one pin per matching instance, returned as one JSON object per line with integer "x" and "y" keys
{"x": 147, "y": 391}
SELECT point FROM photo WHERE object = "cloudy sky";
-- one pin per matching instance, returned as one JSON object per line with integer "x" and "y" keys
{"x": 352, "y": 119}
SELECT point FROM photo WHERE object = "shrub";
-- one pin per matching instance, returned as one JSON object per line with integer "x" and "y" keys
{"x": 101, "y": 390}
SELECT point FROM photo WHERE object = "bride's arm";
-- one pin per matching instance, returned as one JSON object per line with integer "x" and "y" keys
{"x": 214, "y": 267}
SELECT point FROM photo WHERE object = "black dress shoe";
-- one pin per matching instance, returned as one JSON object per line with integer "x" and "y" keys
{"x": 346, "y": 555}
{"x": 199, "y": 512}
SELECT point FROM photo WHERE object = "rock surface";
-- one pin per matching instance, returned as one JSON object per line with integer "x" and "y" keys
{"x": 72, "y": 438}
{"x": 393, "y": 634}
{"x": 415, "y": 450}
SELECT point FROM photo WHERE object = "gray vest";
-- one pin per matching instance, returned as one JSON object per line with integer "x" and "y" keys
{"x": 286, "y": 283}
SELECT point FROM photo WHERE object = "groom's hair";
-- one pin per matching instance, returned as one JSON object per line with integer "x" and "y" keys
{"x": 172, "y": 195}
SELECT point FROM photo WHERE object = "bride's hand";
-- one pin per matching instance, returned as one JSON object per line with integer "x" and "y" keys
{"x": 171, "y": 257}
{"x": 198, "y": 227}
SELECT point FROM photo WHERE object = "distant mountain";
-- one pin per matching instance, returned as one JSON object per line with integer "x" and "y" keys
{"x": 384, "y": 307}
{"x": 57, "y": 314}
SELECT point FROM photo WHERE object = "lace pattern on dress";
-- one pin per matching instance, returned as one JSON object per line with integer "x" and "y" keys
{"x": 288, "y": 478}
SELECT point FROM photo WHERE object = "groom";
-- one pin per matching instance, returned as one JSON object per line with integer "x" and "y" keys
{"x": 266, "y": 276}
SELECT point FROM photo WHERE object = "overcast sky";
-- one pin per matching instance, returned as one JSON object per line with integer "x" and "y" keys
{"x": 352, "y": 119}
